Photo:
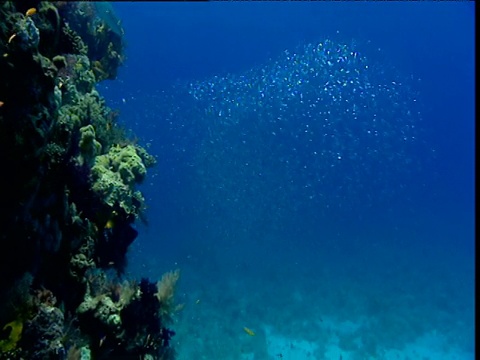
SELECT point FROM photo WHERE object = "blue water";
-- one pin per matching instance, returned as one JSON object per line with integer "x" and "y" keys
{"x": 315, "y": 177}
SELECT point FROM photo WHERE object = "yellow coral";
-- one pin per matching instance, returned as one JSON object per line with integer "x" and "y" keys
{"x": 10, "y": 343}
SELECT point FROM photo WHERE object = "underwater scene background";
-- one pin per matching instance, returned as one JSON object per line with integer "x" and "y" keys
{"x": 315, "y": 175}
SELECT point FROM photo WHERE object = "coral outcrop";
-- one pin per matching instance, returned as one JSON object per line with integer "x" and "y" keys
{"x": 69, "y": 195}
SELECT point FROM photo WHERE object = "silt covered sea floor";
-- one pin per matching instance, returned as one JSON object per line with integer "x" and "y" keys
{"x": 353, "y": 299}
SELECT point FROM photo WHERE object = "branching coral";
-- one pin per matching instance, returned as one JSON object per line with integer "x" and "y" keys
{"x": 165, "y": 294}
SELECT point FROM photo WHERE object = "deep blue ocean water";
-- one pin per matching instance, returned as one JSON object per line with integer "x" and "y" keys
{"x": 315, "y": 176}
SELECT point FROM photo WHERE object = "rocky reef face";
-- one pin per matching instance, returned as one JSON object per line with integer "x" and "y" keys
{"x": 68, "y": 195}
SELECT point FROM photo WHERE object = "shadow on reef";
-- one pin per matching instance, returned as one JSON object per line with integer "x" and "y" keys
{"x": 69, "y": 198}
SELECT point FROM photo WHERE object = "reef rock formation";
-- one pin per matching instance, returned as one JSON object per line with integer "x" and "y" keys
{"x": 69, "y": 196}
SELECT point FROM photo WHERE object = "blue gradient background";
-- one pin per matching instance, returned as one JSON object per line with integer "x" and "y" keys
{"x": 429, "y": 239}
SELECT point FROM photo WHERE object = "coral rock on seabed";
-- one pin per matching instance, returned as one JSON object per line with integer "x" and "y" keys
{"x": 43, "y": 334}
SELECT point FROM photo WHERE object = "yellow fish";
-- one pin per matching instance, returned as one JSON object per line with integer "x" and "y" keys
{"x": 31, "y": 11}
{"x": 249, "y": 331}
{"x": 110, "y": 224}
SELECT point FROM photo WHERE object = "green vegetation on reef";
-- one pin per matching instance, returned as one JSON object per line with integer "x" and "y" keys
{"x": 115, "y": 173}
{"x": 69, "y": 196}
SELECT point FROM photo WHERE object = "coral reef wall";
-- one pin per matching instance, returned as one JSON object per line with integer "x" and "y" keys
{"x": 68, "y": 195}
